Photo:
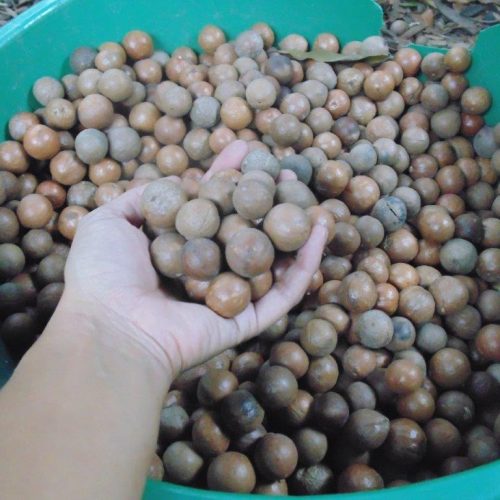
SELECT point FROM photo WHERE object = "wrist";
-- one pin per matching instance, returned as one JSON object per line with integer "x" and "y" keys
{"x": 80, "y": 324}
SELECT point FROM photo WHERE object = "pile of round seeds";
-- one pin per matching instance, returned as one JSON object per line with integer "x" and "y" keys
{"x": 228, "y": 279}
{"x": 388, "y": 372}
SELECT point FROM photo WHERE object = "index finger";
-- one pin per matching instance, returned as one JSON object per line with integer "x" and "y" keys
{"x": 230, "y": 157}
{"x": 126, "y": 206}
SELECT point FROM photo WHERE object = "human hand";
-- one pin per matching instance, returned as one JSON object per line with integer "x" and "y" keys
{"x": 109, "y": 276}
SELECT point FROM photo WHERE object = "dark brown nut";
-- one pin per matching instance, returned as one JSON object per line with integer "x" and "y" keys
{"x": 289, "y": 355}
{"x": 403, "y": 376}
{"x": 360, "y": 396}
{"x": 449, "y": 368}
{"x": 450, "y": 294}
{"x": 275, "y": 456}
{"x": 487, "y": 342}
{"x": 232, "y": 472}
{"x": 9, "y": 227}
{"x": 276, "y": 387}
{"x": 359, "y": 477}
{"x": 406, "y": 442}
{"x": 240, "y": 412}
{"x": 311, "y": 444}
{"x": 416, "y": 304}
{"x": 358, "y": 292}
{"x": 346, "y": 241}
{"x": 182, "y": 464}
{"x": 174, "y": 422}
{"x": 435, "y": 224}
{"x": 367, "y": 429}
{"x": 329, "y": 412}
{"x": 443, "y": 439}
{"x": 312, "y": 480}
{"x": 215, "y": 385}
{"x": 457, "y": 407}
{"x": 358, "y": 362}
{"x": 208, "y": 437}
{"x": 361, "y": 194}
{"x": 323, "y": 374}
{"x": 418, "y": 405}
{"x": 285, "y": 130}
{"x": 298, "y": 411}
{"x": 318, "y": 338}
{"x": 488, "y": 265}
{"x": 12, "y": 260}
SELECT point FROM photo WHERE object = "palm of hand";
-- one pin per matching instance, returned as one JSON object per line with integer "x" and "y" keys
{"x": 109, "y": 270}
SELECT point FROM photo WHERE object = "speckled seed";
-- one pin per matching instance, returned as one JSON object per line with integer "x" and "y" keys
{"x": 205, "y": 112}
{"x": 374, "y": 329}
{"x": 160, "y": 202}
{"x": 261, "y": 160}
{"x": 124, "y": 143}
{"x": 197, "y": 218}
{"x": 391, "y": 212}
{"x": 458, "y": 256}
{"x": 91, "y": 145}
{"x": 300, "y": 165}
{"x": 252, "y": 199}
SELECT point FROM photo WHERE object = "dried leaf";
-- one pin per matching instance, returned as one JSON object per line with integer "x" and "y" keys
{"x": 331, "y": 57}
{"x": 413, "y": 30}
{"x": 412, "y": 4}
{"x": 395, "y": 10}
{"x": 454, "y": 16}
{"x": 472, "y": 10}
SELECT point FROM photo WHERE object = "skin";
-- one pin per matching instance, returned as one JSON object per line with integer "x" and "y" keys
{"x": 88, "y": 394}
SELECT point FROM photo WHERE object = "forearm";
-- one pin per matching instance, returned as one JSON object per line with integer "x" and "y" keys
{"x": 80, "y": 415}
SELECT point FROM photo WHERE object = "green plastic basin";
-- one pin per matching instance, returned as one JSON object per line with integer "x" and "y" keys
{"x": 38, "y": 43}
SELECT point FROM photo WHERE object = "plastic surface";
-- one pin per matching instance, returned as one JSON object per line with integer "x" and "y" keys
{"x": 38, "y": 43}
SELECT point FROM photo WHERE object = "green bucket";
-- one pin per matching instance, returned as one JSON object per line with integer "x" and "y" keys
{"x": 38, "y": 43}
